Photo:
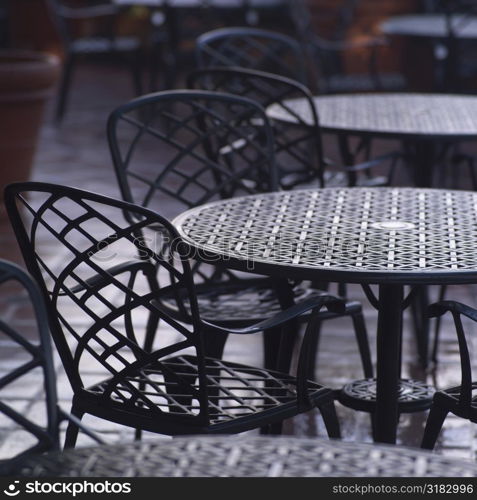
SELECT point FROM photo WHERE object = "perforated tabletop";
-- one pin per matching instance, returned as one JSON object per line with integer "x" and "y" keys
{"x": 360, "y": 235}
{"x": 390, "y": 115}
{"x": 246, "y": 456}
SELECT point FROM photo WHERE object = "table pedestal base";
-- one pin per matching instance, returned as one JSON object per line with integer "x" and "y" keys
{"x": 413, "y": 395}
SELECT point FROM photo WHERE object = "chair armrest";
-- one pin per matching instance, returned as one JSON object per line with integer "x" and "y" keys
{"x": 332, "y": 303}
{"x": 440, "y": 308}
{"x": 374, "y": 162}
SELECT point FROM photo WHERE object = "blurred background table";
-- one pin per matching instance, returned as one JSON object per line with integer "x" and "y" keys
{"x": 447, "y": 33}
{"x": 427, "y": 124}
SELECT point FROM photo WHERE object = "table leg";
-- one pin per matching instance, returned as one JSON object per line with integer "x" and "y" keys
{"x": 422, "y": 162}
{"x": 388, "y": 357}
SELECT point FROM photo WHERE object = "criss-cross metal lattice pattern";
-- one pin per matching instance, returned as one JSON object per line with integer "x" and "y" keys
{"x": 419, "y": 115}
{"x": 413, "y": 395}
{"x": 248, "y": 456}
{"x": 210, "y": 148}
{"x": 106, "y": 293}
{"x": 252, "y": 48}
{"x": 389, "y": 233}
{"x": 298, "y": 150}
{"x": 26, "y": 360}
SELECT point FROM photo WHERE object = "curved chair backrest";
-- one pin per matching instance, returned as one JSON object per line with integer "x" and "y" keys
{"x": 102, "y": 288}
{"x": 69, "y": 16}
{"x": 205, "y": 146}
{"x": 252, "y": 48}
{"x": 26, "y": 364}
{"x": 298, "y": 146}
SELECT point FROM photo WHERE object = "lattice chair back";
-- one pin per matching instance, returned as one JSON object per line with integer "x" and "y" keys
{"x": 252, "y": 48}
{"x": 28, "y": 400}
{"x": 177, "y": 149}
{"x": 104, "y": 290}
{"x": 298, "y": 147}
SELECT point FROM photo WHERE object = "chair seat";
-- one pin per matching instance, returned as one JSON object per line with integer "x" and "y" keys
{"x": 100, "y": 45}
{"x": 237, "y": 393}
{"x": 247, "y": 303}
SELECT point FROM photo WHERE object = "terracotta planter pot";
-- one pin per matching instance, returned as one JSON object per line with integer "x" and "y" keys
{"x": 26, "y": 82}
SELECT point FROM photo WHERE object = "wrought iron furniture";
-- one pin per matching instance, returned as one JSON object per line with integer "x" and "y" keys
{"x": 431, "y": 127}
{"x": 252, "y": 48}
{"x": 248, "y": 456}
{"x": 212, "y": 146}
{"x": 115, "y": 281}
{"x": 298, "y": 145}
{"x": 70, "y": 21}
{"x": 419, "y": 120}
{"x": 26, "y": 359}
{"x": 391, "y": 237}
{"x": 459, "y": 400}
{"x": 298, "y": 149}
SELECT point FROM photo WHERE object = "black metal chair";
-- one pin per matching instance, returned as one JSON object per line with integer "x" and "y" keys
{"x": 211, "y": 146}
{"x": 78, "y": 41}
{"x": 252, "y": 48}
{"x": 114, "y": 282}
{"x": 298, "y": 146}
{"x": 26, "y": 360}
{"x": 460, "y": 400}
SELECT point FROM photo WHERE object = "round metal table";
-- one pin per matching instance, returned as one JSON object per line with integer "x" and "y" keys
{"x": 246, "y": 456}
{"x": 387, "y": 236}
{"x": 421, "y": 120}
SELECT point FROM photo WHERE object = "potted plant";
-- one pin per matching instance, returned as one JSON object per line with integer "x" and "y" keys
{"x": 27, "y": 79}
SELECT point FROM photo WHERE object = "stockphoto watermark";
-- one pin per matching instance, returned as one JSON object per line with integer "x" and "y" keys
{"x": 319, "y": 249}
{"x": 68, "y": 488}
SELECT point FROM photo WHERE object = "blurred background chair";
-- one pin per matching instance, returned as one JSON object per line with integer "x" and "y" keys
{"x": 460, "y": 400}
{"x": 213, "y": 145}
{"x": 252, "y": 48}
{"x": 92, "y": 30}
{"x": 298, "y": 146}
{"x": 120, "y": 278}
{"x": 25, "y": 359}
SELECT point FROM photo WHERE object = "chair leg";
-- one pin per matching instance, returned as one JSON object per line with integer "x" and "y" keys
{"x": 72, "y": 429}
{"x": 136, "y": 66}
{"x": 435, "y": 346}
{"x": 434, "y": 424}
{"x": 214, "y": 344}
{"x": 363, "y": 344}
{"x": 271, "y": 348}
{"x": 328, "y": 412}
{"x": 64, "y": 88}
{"x": 421, "y": 324}
{"x": 313, "y": 354}
{"x": 288, "y": 340}
{"x": 272, "y": 429}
